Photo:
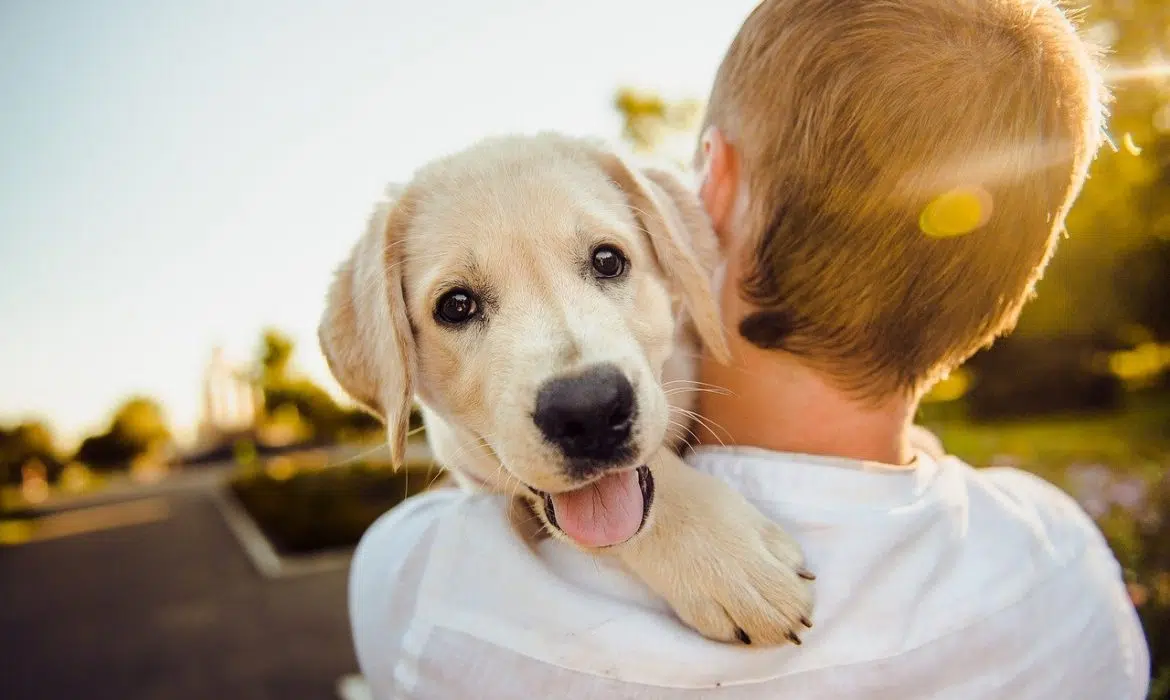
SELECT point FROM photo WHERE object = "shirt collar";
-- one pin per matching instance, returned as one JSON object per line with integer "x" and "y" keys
{"x": 764, "y": 475}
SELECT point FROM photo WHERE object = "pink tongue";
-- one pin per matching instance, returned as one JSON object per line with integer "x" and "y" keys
{"x": 606, "y": 512}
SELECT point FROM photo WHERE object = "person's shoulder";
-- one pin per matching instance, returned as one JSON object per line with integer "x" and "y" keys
{"x": 396, "y": 542}
{"x": 1083, "y": 600}
{"x": 395, "y": 550}
{"x": 396, "y": 560}
{"x": 402, "y": 529}
{"x": 394, "y": 553}
{"x": 1023, "y": 521}
{"x": 1050, "y": 511}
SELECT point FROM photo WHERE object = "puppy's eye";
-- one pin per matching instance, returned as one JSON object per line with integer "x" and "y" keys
{"x": 608, "y": 262}
{"x": 456, "y": 306}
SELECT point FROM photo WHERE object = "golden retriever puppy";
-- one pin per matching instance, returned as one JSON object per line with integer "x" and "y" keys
{"x": 543, "y": 301}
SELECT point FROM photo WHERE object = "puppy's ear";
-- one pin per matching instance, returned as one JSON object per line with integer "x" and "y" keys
{"x": 682, "y": 239}
{"x": 365, "y": 333}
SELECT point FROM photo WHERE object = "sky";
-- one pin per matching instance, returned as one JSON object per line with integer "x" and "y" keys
{"x": 180, "y": 174}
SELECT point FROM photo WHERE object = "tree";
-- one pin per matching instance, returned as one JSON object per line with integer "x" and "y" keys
{"x": 138, "y": 428}
{"x": 276, "y": 350}
{"x": 290, "y": 397}
{"x": 1126, "y": 202}
{"x": 652, "y": 124}
{"x": 24, "y": 444}
{"x": 1143, "y": 280}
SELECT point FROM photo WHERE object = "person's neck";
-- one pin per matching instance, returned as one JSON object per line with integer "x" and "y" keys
{"x": 769, "y": 399}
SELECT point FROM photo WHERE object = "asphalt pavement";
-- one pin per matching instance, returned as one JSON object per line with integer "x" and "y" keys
{"x": 165, "y": 607}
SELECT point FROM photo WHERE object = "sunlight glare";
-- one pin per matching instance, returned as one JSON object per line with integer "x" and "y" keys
{"x": 956, "y": 212}
{"x": 1130, "y": 146}
{"x": 1129, "y": 74}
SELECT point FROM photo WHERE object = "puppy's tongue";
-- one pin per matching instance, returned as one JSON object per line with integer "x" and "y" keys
{"x": 606, "y": 512}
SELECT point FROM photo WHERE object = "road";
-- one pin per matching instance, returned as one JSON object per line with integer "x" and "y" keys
{"x": 169, "y": 608}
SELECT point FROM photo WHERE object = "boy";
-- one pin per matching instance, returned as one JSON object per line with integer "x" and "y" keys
{"x": 888, "y": 179}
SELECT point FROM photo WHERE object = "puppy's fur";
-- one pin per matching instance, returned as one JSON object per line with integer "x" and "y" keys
{"x": 515, "y": 220}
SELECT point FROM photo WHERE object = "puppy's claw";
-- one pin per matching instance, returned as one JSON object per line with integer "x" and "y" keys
{"x": 726, "y": 570}
{"x": 806, "y": 622}
{"x": 806, "y": 575}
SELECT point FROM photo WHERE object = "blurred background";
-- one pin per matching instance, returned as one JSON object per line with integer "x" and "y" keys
{"x": 182, "y": 482}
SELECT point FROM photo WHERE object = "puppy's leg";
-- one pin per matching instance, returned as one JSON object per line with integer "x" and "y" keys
{"x": 727, "y": 571}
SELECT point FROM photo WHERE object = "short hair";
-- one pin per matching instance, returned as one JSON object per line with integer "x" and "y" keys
{"x": 853, "y": 120}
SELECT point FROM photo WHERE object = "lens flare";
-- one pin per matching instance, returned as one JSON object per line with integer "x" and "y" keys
{"x": 1154, "y": 70}
{"x": 1130, "y": 145}
{"x": 956, "y": 212}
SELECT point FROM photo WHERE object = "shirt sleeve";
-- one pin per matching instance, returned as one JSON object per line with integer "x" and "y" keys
{"x": 384, "y": 578}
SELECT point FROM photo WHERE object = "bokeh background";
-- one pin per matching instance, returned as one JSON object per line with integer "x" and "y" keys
{"x": 182, "y": 482}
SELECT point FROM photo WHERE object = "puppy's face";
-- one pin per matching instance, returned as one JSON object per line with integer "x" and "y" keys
{"x": 526, "y": 291}
{"x": 541, "y": 317}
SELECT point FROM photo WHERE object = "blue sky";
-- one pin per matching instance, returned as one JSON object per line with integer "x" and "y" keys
{"x": 178, "y": 174}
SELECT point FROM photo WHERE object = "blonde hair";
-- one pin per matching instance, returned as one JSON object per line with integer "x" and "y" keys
{"x": 852, "y": 119}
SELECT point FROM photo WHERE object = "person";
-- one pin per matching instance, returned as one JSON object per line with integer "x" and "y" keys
{"x": 888, "y": 179}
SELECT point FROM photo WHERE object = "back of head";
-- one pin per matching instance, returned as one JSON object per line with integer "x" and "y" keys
{"x": 908, "y": 166}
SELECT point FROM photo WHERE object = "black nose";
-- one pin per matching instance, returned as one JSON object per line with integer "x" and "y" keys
{"x": 588, "y": 416}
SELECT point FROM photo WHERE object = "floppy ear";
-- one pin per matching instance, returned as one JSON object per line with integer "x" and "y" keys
{"x": 682, "y": 239}
{"x": 365, "y": 333}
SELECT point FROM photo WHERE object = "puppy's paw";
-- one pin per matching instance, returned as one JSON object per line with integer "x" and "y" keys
{"x": 725, "y": 569}
{"x": 754, "y": 590}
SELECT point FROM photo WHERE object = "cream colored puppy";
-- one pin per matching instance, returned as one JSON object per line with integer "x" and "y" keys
{"x": 543, "y": 302}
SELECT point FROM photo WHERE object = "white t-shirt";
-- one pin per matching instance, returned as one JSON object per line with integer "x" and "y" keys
{"x": 938, "y": 581}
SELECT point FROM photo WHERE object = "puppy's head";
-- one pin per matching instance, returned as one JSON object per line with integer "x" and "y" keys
{"x": 527, "y": 292}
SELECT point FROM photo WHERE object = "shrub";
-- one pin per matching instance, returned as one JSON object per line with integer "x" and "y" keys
{"x": 311, "y": 510}
{"x": 1031, "y": 376}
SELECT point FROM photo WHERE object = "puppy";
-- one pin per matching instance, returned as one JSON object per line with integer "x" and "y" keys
{"x": 543, "y": 302}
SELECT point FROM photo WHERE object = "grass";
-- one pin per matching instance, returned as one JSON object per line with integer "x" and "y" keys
{"x": 1135, "y": 441}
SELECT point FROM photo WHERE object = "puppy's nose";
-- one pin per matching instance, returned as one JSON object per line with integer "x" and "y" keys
{"x": 587, "y": 416}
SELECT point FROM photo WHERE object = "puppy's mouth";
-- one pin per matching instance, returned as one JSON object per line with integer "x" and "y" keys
{"x": 604, "y": 512}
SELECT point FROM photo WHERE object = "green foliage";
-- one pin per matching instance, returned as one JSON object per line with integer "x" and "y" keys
{"x": 28, "y": 442}
{"x": 138, "y": 427}
{"x": 1065, "y": 374}
{"x": 1132, "y": 441}
{"x": 651, "y": 124}
{"x": 318, "y": 509}
{"x": 276, "y": 351}
{"x": 291, "y": 397}
{"x": 1126, "y": 202}
{"x": 1142, "y": 280}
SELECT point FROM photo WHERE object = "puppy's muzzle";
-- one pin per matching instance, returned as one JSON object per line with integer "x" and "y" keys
{"x": 589, "y": 417}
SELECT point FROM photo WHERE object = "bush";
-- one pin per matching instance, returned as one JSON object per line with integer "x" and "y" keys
{"x": 311, "y": 510}
{"x": 1031, "y": 376}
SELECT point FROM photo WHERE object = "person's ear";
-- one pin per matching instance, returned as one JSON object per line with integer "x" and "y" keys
{"x": 719, "y": 182}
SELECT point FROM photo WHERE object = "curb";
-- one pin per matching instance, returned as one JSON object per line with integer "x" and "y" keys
{"x": 264, "y": 557}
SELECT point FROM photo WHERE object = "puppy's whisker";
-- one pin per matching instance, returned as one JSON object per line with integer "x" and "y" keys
{"x": 707, "y": 423}
{"x": 358, "y": 457}
{"x": 466, "y": 448}
{"x": 685, "y": 429}
{"x": 693, "y": 382}
{"x": 695, "y": 390}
